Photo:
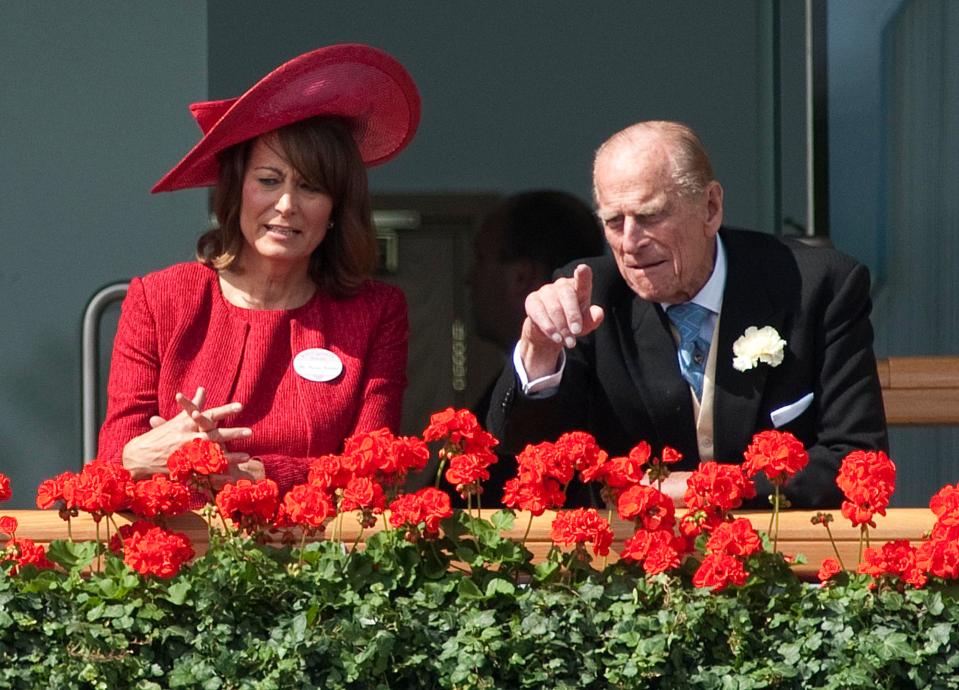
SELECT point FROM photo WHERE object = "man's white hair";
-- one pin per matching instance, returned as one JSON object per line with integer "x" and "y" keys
{"x": 691, "y": 170}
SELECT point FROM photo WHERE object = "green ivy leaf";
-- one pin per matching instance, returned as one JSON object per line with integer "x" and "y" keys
{"x": 503, "y": 520}
{"x": 177, "y": 592}
{"x": 499, "y": 586}
{"x": 71, "y": 555}
{"x": 467, "y": 589}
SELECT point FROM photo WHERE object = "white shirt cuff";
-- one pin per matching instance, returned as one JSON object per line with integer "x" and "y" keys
{"x": 544, "y": 386}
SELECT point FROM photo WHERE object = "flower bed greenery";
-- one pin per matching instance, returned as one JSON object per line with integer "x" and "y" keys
{"x": 396, "y": 615}
{"x": 444, "y": 599}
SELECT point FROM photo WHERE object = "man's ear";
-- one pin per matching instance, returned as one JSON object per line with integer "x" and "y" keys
{"x": 714, "y": 208}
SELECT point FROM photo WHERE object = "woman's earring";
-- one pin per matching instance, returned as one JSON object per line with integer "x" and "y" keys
{"x": 329, "y": 226}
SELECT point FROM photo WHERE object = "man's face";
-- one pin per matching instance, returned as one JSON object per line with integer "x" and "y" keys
{"x": 663, "y": 242}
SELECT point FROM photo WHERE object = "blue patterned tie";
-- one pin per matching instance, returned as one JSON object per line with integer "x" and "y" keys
{"x": 693, "y": 350}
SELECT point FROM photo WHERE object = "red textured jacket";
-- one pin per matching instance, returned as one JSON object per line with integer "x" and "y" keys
{"x": 177, "y": 332}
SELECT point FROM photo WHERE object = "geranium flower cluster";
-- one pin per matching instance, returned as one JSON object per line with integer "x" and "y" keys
{"x": 777, "y": 454}
{"x": 250, "y": 505}
{"x": 467, "y": 447}
{"x": 713, "y": 491}
{"x": 196, "y": 461}
{"x": 653, "y": 545}
{"x": 939, "y": 554}
{"x": 729, "y": 544}
{"x": 101, "y": 489}
{"x": 366, "y": 477}
{"x": 867, "y": 479}
{"x": 421, "y": 512}
{"x": 581, "y": 526}
{"x": 152, "y": 550}
{"x": 17, "y": 552}
{"x": 372, "y": 467}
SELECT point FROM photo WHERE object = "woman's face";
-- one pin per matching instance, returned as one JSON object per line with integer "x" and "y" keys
{"x": 282, "y": 217}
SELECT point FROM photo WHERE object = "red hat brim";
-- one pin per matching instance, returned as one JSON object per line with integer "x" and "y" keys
{"x": 365, "y": 86}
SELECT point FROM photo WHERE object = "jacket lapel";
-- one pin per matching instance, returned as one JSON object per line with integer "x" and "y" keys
{"x": 651, "y": 363}
{"x": 738, "y": 394}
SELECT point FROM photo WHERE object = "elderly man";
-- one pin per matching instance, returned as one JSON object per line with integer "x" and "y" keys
{"x": 640, "y": 345}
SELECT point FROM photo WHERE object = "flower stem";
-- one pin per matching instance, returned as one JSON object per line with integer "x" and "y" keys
{"x": 776, "y": 514}
{"x": 835, "y": 548}
{"x": 609, "y": 519}
{"x": 528, "y": 526}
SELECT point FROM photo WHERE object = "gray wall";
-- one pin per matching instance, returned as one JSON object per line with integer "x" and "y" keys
{"x": 520, "y": 94}
{"x": 90, "y": 101}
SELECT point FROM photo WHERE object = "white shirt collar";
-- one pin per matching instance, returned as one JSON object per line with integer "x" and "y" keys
{"x": 711, "y": 294}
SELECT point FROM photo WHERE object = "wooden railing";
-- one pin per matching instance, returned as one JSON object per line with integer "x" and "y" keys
{"x": 796, "y": 534}
{"x": 920, "y": 390}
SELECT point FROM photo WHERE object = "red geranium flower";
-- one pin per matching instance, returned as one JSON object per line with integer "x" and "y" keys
{"x": 656, "y": 550}
{"x": 778, "y": 454}
{"x": 945, "y": 505}
{"x": 868, "y": 480}
{"x": 381, "y": 454}
{"x": 329, "y": 471}
{"x": 406, "y": 454}
{"x": 939, "y": 557}
{"x": 308, "y": 505}
{"x": 5, "y": 491}
{"x": 649, "y": 507}
{"x": 362, "y": 493}
{"x": 582, "y": 450}
{"x": 718, "y": 571}
{"x": 25, "y": 552}
{"x": 251, "y": 505}
{"x": 671, "y": 456}
{"x": 196, "y": 457}
{"x": 624, "y": 472}
{"x": 894, "y": 558}
{"x": 53, "y": 490}
{"x": 8, "y": 525}
{"x": 828, "y": 569}
{"x": 427, "y": 506}
{"x": 719, "y": 487}
{"x": 152, "y": 550}
{"x": 582, "y": 525}
{"x": 534, "y": 496}
{"x": 461, "y": 430}
{"x": 736, "y": 538}
{"x": 159, "y": 496}
{"x": 466, "y": 471}
{"x": 102, "y": 488}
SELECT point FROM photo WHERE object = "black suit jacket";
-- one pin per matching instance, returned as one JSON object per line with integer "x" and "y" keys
{"x": 622, "y": 382}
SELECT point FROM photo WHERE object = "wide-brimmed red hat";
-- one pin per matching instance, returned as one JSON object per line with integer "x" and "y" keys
{"x": 370, "y": 90}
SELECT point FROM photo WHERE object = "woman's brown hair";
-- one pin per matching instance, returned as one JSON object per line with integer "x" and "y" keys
{"x": 323, "y": 152}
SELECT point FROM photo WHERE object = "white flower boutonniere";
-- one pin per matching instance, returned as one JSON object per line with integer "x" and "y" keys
{"x": 758, "y": 345}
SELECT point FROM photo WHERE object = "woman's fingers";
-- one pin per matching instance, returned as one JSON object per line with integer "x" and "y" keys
{"x": 242, "y": 466}
{"x": 226, "y": 434}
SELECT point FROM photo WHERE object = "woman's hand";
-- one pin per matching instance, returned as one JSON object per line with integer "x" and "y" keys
{"x": 243, "y": 467}
{"x": 146, "y": 454}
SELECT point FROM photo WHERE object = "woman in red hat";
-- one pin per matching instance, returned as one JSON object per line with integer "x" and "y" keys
{"x": 278, "y": 334}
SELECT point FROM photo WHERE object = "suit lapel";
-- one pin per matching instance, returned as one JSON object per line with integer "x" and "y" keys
{"x": 651, "y": 363}
{"x": 738, "y": 395}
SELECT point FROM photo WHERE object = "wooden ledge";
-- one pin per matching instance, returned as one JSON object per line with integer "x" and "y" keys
{"x": 920, "y": 390}
{"x": 796, "y": 534}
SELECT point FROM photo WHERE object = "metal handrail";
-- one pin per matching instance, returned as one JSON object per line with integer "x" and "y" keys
{"x": 90, "y": 353}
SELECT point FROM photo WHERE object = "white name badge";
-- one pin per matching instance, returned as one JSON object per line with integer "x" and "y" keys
{"x": 317, "y": 364}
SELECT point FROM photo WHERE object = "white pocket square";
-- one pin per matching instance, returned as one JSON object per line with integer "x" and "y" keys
{"x": 787, "y": 413}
